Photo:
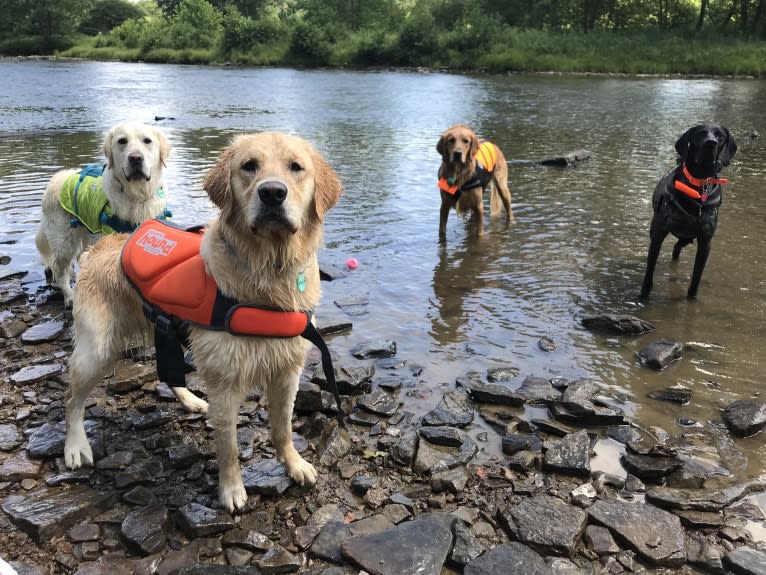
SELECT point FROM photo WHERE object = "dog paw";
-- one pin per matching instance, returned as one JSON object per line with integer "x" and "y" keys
{"x": 77, "y": 453}
{"x": 232, "y": 496}
{"x": 302, "y": 472}
{"x": 189, "y": 401}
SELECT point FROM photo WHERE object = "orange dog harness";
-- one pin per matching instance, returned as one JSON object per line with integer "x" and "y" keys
{"x": 692, "y": 189}
{"x": 486, "y": 160}
{"x": 163, "y": 263}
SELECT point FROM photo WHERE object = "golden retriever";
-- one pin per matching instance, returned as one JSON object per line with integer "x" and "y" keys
{"x": 273, "y": 191}
{"x": 131, "y": 190}
{"x": 468, "y": 166}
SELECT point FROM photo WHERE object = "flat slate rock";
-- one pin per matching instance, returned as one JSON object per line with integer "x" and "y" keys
{"x": 510, "y": 558}
{"x": 745, "y": 417}
{"x": 661, "y": 353}
{"x": 266, "y": 477}
{"x": 656, "y": 535}
{"x": 617, "y": 324}
{"x": 418, "y": 547}
{"x": 453, "y": 410}
{"x": 746, "y": 561}
{"x": 547, "y": 524}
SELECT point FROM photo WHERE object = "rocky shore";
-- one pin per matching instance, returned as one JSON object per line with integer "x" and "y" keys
{"x": 398, "y": 493}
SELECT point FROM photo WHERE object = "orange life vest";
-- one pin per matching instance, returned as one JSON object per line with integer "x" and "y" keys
{"x": 163, "y": 263}
{"x": 486, "y": 160}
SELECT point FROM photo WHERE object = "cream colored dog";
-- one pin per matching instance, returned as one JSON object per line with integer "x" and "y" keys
{"x": 130, "y": 191}
{"x": 273, "y": 191}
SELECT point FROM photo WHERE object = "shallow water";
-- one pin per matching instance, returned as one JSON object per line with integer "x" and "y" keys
{"x": 577, "y": 247}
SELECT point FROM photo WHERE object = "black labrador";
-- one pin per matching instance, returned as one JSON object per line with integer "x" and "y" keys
{"x": 687, "y": 199}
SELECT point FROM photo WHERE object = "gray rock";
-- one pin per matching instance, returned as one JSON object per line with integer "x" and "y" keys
{"x": 466, "y": 547}
{"x": 278, "y": 560}
{"x": 33, "y": 373}
{"x": 454, "y": 410}
{"x": 48, "y": 439}
{"x": 450, "y": 480}
{"x": 145, "y": 530}
{"x": 403, "y": 451}
{"x": 547, "y": 524}
{"x": 312, "y": 398}
{"x": 566, "y": 159}
{"x": 745, "y": 417}
{"x": 508, "y": 559}
{"x": 334, "y": 443}
{"x": 502, "y": 373}
{"x": 196, "y": 520}
{"x": 19, "y": 467}
{"x": 412, "y": 547}
{"x": 537, "y": 390}
{"x": 746, "y": 561}
{"x": 493, "y": 393}
{"x": 650, "y": 469}
{"x": 371, "y": 350}
{"x": 570, "y": 455}
{"x": 370, "y": 525}
{"x": 266, "y": 477}
{"x": 379, "y": 402}
{"x": 9, "y": 437}
{"x": 327, "y": 544}
{"x": 708, "y": 499}
{"x": 661, "y": 353}
{"x": 513, "y": 443}
{"x": 677, "y": 394}
{"x": 656, "y": 535}
{"x": 704, "y": 554}
{"x": 600, "y": 540}
{"x": 351, "y": 378}
{"x": 247, "y": 539}
{"x": 617, "y": 324}
{"x": 443, "y": 435}
{"x": 43, "y": 332}
{"x": 46, "y": 514}
{"x": 430, "y": 457}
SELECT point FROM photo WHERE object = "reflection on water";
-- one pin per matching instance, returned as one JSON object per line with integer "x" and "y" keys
{"x": 577, "y": 246}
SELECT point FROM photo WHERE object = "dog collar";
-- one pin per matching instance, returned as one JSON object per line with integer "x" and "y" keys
{"x": 704, "y": 184}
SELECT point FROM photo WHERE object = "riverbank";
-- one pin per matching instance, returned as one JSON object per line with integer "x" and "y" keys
{"x": 397, "y": 493}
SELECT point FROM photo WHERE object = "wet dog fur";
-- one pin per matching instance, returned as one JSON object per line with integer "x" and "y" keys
{"x": 705, "y": 150}
{"x": 135, "y": 157}
{"x": 273, "y": 191}
{"x": 458, "y": 147}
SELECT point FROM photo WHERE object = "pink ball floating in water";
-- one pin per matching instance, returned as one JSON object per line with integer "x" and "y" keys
{"x": 352, "y": 263}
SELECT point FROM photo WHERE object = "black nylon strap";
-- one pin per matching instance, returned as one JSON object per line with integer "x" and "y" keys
{"x": 171, "y": 367}
{"x": 312, "y": 334}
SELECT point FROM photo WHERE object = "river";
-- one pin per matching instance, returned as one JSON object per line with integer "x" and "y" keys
{"x": 577, "y": 247}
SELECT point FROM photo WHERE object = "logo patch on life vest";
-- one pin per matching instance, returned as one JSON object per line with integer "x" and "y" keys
{"x": 156, "y": 243}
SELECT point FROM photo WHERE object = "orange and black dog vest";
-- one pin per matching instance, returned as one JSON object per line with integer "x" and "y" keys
{"x": 163, "y": 263}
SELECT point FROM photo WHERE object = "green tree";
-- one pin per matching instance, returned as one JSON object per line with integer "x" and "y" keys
{"x": 107, "y": 14}
{"x": 53, "y": 21}
{"x": 195, "y": 24}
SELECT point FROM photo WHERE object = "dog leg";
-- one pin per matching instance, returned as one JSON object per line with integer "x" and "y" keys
{"x": 655, "y": 244}
{"x": 90, "y": 360}
{"x": 189, "y": 401}
{"x": 479, "y": 211}
{"x": 281, "y": 397}
{"x": 224, "y": 409}
{"x": 443, "y": 216}
{"x": 703, "y": 251}
{"x": 680, "y": 244}
{"x": 499, "y": 192}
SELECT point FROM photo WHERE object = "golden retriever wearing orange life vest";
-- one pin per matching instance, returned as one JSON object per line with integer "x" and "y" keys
{"x": 469, "y": 165}
{"x": 273, "y": 191}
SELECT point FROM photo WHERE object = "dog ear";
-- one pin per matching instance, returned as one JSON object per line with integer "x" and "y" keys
{"x": 683, "y": 143}
{"x": 441, "y": 147}
{"x": 474, "y": 147}
{"x": 729, "y": 148}
{"x": 107, "y": 148}
{"x": 217, "y": 182}
{"x": 164, "y": 149}
{"x": 327, "y": 186}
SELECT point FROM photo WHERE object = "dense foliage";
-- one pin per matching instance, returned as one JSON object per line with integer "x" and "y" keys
{"x": 655, "y": 36}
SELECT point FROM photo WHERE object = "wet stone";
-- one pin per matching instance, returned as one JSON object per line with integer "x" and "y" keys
{"x": 546, "y": 344}
{"x": 352, "y": 379}
{"x": 182, "y": 456}
{"x": 278, "y": 560}
{"x": 600, "y": 540}
{"x": 396, "y": 513}
{"x": 454, "y": 410}
{"x": 449, "y": 481}
{"x": 361, "y": 484}
{"x": 661, "y": 353}
{"x": 466, "y": 547}
{"x": 747, "y": 561}
{"x": 403, "y": 451}
{"x": 547, "y": 524}
{"x": 151, "y": 419}
{"x": 48, "y": 439}
{"x": 376, "y": 349}
{"x": 745, "y": 417}
{"x": 19, "y": 467}
{"x": 84, "y": 532}
{"x": 247, "y": 539}
{"x": 502, "y": 373}
{"x": 334, "y": 443}
{"x": 493, "y": 393}
{"x": 443, "y": 435}
{"x": 266, "y": 477}
{"x": 432, "y": 457}
{"x": 81, "y": 475}
{"x": 677, "y": 394}
{"x": 650, "y": 469}
{"x": 199, "y": 521}
{"x": 33, "y": 373}
{"x": 327, "y": 544}
{"x": 10, "y": 326}
{"x": 655, "y": 534}
{"x": 363, "y": 418}
{"x": 117, "y": 460}
{"x": 312, "y": 398}
{"x": 145, "y": 529}
{"x": 508, "y": 559}
{"x": 570, "y": 455}
{"x": 412, "y": 547}
{"x": 617, "y": 324}
{"x": 43, "y": 332}
{"x": 46, "y": 514}
{"x": 9, "y": 437}
{"x": 143, "y": 473}
{"x": 141, "y": 496}
{"x": 623, "y": 433}
{"x": 379, "y": 402}
{"x": 370, "y": 525}
{"x": 537, "y": 390}
{"x": 513, "y": 443}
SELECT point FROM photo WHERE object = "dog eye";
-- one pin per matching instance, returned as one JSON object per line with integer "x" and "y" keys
{"x": 250, "y": 166}
{"x": 147, "y": 140}
{"x": 295, "y": 167}
{"x": 122, "y": 141}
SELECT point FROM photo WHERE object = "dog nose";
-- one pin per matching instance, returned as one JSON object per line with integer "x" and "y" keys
{"x": 135, "y": 159}
{"x": 272, "y": 193}
{"x": 457, "y": 156}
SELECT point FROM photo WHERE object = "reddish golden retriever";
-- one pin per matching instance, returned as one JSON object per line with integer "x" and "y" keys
{"x": 469, "y": 165}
